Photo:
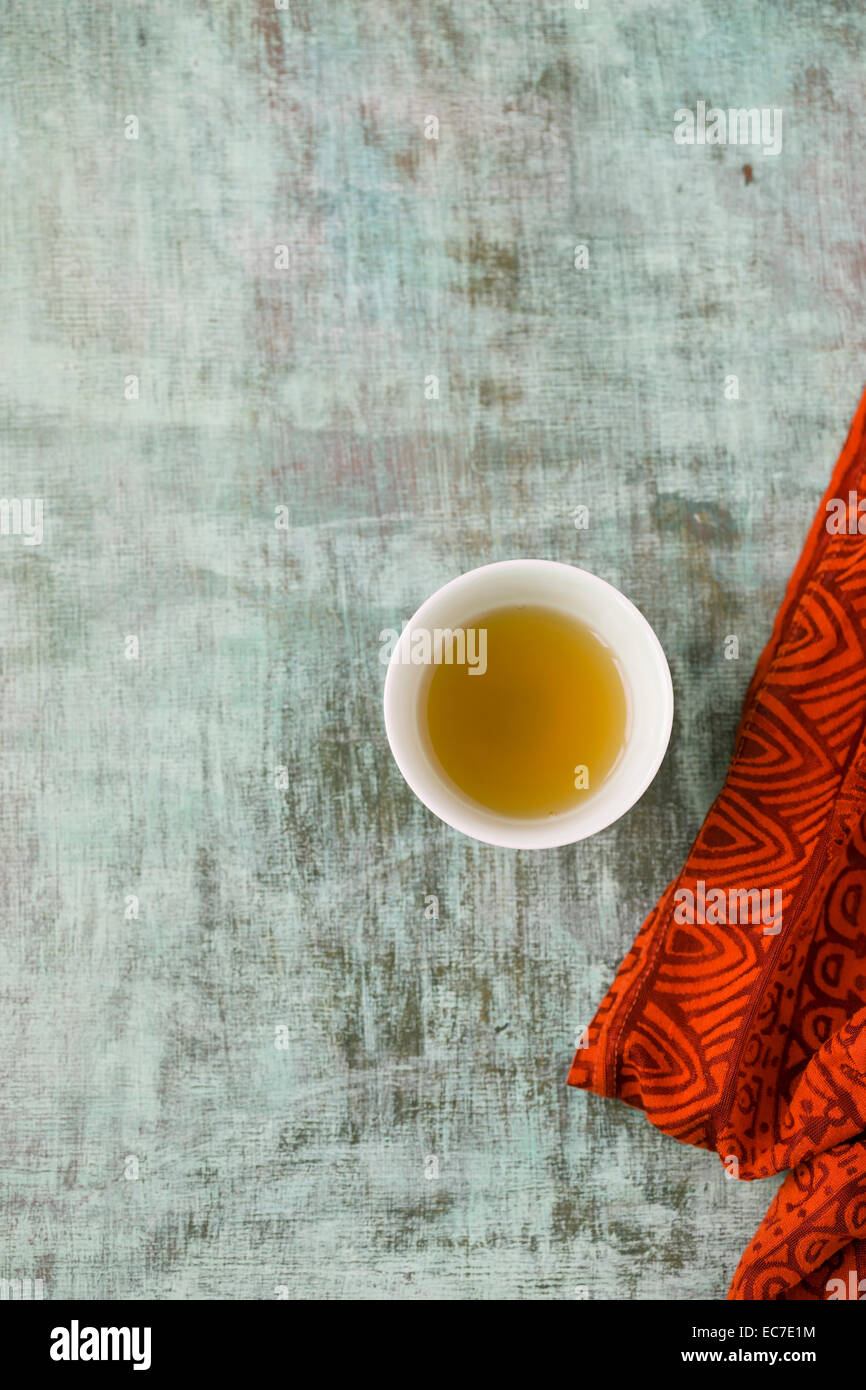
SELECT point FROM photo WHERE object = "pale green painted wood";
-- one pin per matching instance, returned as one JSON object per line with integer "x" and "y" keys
{"x": 307, "y": 1168}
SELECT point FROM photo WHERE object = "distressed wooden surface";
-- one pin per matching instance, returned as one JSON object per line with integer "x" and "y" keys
{"x": 310, "y": 1169}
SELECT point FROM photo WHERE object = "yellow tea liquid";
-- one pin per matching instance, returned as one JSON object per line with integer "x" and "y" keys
{"x": 540, "y": 729}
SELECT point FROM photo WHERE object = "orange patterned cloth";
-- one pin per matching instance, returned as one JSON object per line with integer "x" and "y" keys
{"x": 742, "y": 1030}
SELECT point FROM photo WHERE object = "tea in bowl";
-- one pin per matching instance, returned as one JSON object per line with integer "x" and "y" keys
{"x": 528, "y": 704}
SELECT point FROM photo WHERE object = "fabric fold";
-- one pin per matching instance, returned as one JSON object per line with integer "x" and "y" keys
{"x": 737, "y": 1020}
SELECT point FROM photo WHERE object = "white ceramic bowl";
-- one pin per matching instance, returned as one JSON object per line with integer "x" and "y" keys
{"x": 641, "y": 662}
